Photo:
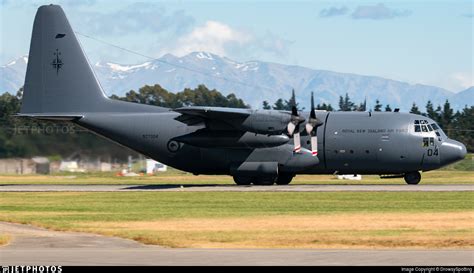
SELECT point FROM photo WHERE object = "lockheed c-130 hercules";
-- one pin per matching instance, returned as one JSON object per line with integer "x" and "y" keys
{"x": 253, "y": 146}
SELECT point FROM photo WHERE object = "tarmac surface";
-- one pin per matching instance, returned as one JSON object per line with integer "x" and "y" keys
{"x": 36, "y": 246}
{"x": 234, "y": 188}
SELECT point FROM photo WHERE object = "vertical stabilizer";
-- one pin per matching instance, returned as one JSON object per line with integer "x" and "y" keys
{"x": 59, "y": 77}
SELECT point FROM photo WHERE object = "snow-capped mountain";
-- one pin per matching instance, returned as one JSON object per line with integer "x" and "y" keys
{"x": 255, "y": 81}
{"x": 12, "y": 75}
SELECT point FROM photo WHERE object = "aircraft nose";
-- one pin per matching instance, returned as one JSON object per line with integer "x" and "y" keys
{"x": 452, "y": 151}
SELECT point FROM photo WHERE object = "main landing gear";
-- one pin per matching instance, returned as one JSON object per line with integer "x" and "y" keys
{"x": 282, "y": 179}
{"x": 412, "y": 178}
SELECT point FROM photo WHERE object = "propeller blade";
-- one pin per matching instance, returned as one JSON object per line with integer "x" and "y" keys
{"x": 297, "y": 141}
{"x": 291, "y": 128}
{"x": 312, "y": 128}
{"x": 312, "y": 114}
{"x": 314, "y": 145}
{"x": 309, "y": 127}
{"x": 294, "y": 111}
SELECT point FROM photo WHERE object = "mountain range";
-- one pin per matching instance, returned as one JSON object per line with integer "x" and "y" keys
{"x": 254, "y": 81}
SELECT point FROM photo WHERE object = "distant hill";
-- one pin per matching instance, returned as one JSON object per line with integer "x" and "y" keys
{"x": 255, "y": 81}
{"x": 12, "y": 75}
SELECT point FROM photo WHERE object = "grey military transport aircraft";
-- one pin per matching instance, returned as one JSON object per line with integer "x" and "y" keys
{"x": 253, "y": 146}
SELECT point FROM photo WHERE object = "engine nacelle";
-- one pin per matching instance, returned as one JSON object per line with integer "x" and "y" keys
{"x": 231, "y": 139}
{"x": 265, "y": 122}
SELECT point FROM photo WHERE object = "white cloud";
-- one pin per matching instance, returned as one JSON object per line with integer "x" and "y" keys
{"x": 221, "y": 39}
{"x": 378, "y": 12}
{"x": 462, "y": 81}
{"x": 333, "y": 11}
{"x": 212, "y": 37}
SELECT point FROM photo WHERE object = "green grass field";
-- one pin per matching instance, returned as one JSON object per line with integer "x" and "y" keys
{"x": 248, "y": 219}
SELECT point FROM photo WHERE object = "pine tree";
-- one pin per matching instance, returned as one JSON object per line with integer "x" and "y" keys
{"x": 431, "y": 113}
{"x": 266, "y": 105}
{"x": 414, "y": 109}
{"x": 279, "y": 105}
{"x": 447, "y": 115}
{"x": 463, "y": 127}
{"x": 292, "y": 102}
{"x": 362, "y": 106}
{"x": 378, "y": 106}
{"x": 341, "y": 103}
{"x": 345, "y": 104}
{"x": 324, "y": 106}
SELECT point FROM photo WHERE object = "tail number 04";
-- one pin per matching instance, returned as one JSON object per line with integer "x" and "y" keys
{"x": 432, "y": 152}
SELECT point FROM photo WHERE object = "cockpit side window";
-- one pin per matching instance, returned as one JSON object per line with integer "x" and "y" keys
{"x": 426, "y": 141}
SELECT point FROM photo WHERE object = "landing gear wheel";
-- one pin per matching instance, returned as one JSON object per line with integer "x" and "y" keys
{"x": 242, "y": 180}
{"x": 264, "y": 181}
{"x": 412, "y": 178}
{"x": 284, "y": 179}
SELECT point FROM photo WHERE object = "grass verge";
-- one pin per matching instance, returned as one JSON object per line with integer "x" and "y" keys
{"x": 257, "y": 220}
{"x": 4, "y": 239}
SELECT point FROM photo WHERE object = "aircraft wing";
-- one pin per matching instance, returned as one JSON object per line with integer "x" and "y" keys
{"x": 196, "y": 114}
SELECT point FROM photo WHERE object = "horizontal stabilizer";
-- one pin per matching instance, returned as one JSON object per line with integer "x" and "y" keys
{"x": 51, "y": 116}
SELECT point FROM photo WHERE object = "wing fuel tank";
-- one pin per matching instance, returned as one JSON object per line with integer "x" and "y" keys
{"x": 231, "y": 139}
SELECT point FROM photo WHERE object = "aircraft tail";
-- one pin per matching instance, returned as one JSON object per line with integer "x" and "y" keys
{"x": 59, "y": 78}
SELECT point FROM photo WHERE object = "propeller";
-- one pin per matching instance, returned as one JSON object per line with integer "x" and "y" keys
{"x": 312, "y": 128}
{"x": 294, "y": 128}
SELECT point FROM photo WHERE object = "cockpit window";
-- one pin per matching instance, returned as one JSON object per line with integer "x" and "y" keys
{"x": 422, "y": 125}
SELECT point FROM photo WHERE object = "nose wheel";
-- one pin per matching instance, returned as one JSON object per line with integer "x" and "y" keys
{"x": 412, "y": 178}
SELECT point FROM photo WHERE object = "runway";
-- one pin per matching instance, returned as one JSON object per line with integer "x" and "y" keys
{"x": 37, "y": 246}
{"x": 235, "y": 188}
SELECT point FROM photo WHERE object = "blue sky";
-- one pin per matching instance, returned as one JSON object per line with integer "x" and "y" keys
{"x": 429, "y": 42}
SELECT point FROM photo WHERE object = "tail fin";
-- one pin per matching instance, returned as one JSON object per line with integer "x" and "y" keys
{"x": 59, "y": 78}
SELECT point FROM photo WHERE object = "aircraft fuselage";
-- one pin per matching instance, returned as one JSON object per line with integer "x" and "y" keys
{"x": 349, "y": 143}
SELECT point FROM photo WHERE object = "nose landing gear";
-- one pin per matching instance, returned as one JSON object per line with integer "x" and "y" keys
{"x": 412, "y": 178}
